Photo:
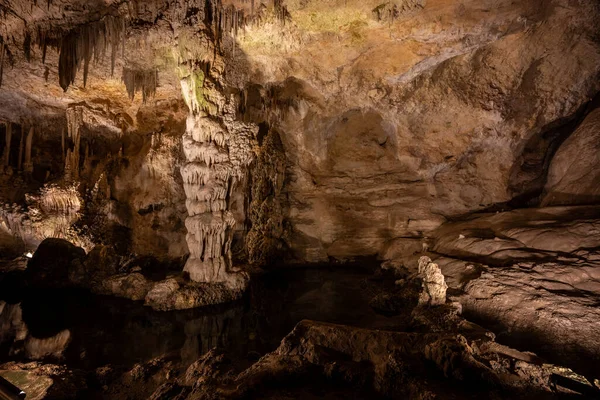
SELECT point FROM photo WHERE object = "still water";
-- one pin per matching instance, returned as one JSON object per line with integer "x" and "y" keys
{"x": 86, "y": 331}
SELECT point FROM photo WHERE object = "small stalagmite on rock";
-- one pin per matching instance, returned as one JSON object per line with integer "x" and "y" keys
{"x": 434, "y": 284}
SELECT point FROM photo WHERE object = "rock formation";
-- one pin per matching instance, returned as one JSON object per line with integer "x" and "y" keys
{"x": 169, "y": 152}
{"x": 217, "y": 149}
{"x": 573, "y": 173}
{"x": 210, "y": 176}
{"x": 434, "y": 286}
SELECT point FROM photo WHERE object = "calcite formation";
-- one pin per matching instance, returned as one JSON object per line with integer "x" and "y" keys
{"x": 434, "y": 285}
{"x": 74, "y": 124}
{"x": 49, "y": 214}
{"x": 217, "y": 149}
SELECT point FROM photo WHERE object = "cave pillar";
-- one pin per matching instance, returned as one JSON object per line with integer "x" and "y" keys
{"x": 74, "y": 124}
{"x": 217, "y": 150}
{"x": 28, "y": 165}
{"x": 206, "y": 182}
{"x": 21, "y": 144}
{"x": 8, "y": 138}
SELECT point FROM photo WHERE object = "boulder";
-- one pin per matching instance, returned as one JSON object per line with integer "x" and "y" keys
{"x": 173, "y": 294}
{"x": 52, "y": 263}
{"x": 101, "y": 263}
{"x": 574, "y": 173}
{"x": 130, "y": 286}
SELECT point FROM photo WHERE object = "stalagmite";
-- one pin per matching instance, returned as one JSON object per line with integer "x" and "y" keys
{"x": 434, "y": 285}
{"x": 61, "y": 201}
{"x": 6, "y": 154}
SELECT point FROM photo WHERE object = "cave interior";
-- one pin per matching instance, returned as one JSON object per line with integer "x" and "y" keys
{"x": 299, "y": 199}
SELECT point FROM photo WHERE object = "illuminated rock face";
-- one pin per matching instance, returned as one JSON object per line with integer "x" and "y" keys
{"x": 394, "y": 117}
{"x": 574, "y": 172}
{"x": 534, "y": 274}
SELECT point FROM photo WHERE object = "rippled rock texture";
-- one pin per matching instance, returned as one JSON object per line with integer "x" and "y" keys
{"x": 533, "y": 274}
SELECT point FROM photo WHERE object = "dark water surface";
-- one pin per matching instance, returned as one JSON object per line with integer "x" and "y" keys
{"x": 106, "y": 330}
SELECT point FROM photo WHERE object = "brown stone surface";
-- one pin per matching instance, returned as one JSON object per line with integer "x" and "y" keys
{"x": 532, "y": 274}
{"x": 390, "y": 126}
{"x": 574, "y": 172}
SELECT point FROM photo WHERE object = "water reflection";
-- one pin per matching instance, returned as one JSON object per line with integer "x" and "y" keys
{"x": 88, "y": 331}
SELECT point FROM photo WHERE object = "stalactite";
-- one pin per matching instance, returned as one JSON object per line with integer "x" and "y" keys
{"x": 208, "y": 13}
{"x": 86, "y": 44}
{"x": 42, "y": 41}
{"x": 114, "y": 29}
{"x": 80, "y": 44}
{"x": 27, "y": 46}
{"x": 68, "y": 61}
{"x": 74, "y": 124}
{"x": 144, "y": 81}
{"x": 281, "y": 11}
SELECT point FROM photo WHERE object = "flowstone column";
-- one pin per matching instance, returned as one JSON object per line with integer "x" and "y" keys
{"x": 217, "y": 150}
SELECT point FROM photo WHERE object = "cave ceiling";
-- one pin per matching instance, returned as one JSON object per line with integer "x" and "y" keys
{"x": 333, "y": 44}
